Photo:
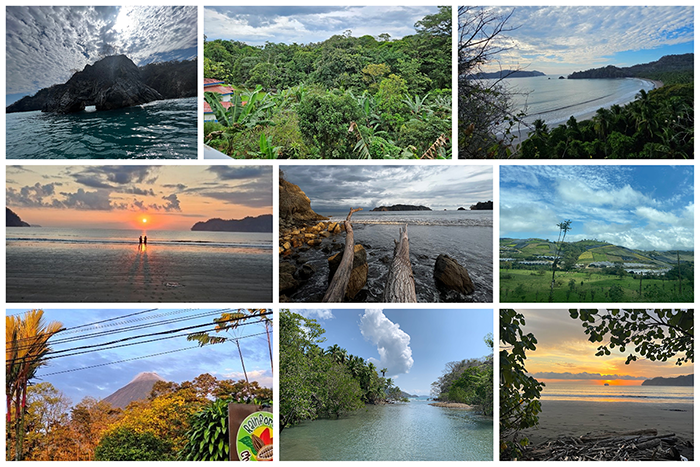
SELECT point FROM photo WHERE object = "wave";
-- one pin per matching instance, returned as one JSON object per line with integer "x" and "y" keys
{"x": 426, "y": 222}
{"x": 110, "y": 241}
{"x": 619, "y": 396}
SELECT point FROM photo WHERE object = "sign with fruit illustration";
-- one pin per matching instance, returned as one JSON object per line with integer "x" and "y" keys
{"x": 254, "y": 439}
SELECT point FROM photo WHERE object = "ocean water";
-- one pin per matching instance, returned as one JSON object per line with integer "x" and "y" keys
{"x": 556, "y": 100}
{"x": 164, "y": 129}
{"x": 577, "y": 391}
{"x": 413, "y": 431}
{"x": 182, "y": 239}
{"x": 466, "y": 236}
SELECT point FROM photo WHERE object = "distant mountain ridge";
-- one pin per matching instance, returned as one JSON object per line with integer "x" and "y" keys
{"x": 683, "y": 380}
{"x": 667, "y": 63}
{"x": 138, "y": 389}
{"x": 261, "y": 223}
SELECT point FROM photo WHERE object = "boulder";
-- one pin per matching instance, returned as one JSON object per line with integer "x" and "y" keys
{"x": 358, "y": 276}
{"x": 287, "y": 280}
{"x": 111, "y": 83}
{"x": 305, "y": 272}
{"x": 450, "y": 276}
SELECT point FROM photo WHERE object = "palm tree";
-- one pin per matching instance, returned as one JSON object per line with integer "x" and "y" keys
{"x": 26, "y": 346}
{"x": 564, "y": 227}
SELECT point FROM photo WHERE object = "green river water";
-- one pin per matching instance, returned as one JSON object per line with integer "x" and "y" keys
{"x": 413, "y": 431}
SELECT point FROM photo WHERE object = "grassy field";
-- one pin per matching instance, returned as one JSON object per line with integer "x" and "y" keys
{"x": 522, "y": 285}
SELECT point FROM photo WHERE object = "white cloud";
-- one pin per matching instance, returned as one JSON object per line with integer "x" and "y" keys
{"x": 392, "y": 343}
{"x": 263, "y": 377}
{"x": 319, "y": 313}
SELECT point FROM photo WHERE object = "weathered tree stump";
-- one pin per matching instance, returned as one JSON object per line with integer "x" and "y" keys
{"x": 336, "y": 289}
{"x": 400, "y": 284}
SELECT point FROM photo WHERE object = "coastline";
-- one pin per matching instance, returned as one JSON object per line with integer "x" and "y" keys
{"x": 522, "y": 135}
{"x": 452, "y": 405}
{"x": 577, "y": 418}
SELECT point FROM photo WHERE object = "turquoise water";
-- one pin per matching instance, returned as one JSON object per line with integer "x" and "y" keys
{"x": 555, "y": 100}
{"x": 413, "y": 431}
{"x": 164, "y": 129}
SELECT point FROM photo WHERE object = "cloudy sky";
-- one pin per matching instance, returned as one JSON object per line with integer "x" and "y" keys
{"x": 639, "y": 207}
{"x": 221, "y": 360}
{"x": 120, "y": 197}
{"x": 256, "y": 25}
{"x": 339, "y": 187}
{"x": 564, "y": 353}
{"x": 46, "y": 45}
{"x": 561, "y": 40}
{"x": 413, "y": 345}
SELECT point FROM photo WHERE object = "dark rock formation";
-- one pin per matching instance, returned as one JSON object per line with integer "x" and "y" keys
{"x": 358, "y": 276}
{"x": 295, "y": 206}
{"x": 450, "y": 276}
{"x": 247, "y": 224}
{"x": 461, "y": 209}
{"x": 287, "y": 280}
{"x": 111, "y": 83}
{"x": 401, "y": 207}
{"x": 138, "y": 389}
{"x": 482, "y": 206}
{"x": 561, "y": 77}
{"x": 13, "y": 220}
{"x": 169, "y": 80}
{"x": 684, "y": 380}
{"x": 172, "y": 80}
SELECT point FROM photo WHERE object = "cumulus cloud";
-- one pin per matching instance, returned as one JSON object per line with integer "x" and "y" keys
{"x": 305, "y": 24}
{"x": 392, "y": 343}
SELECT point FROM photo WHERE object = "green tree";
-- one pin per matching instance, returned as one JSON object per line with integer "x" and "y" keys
{"x": 657, "y": 335}
{"x": 519, "y": 392}
{"x": 125, "y": 444}
{"x": 564, "y": 227}
{"x": 324, "y": 120}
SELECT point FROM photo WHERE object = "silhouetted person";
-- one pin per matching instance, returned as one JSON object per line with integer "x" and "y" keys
{"x": 140, "y": 241}
{"x": 145, "y": 240}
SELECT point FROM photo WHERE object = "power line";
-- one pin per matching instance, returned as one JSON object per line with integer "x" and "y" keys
{"x": 133, "y": 358}
{"x": 170, "y": 331}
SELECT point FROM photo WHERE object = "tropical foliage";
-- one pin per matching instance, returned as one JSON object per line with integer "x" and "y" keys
{"x": 468, "y": 381}
{"x": 346, "y": 97}
{"x": 520, "y": 393}
{"x": 323, "y": 383}
{"x": 658, "y": 124}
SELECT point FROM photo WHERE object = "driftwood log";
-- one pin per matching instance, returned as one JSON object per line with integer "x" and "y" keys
{"x": 400, "y": 284}
{"x": 631, "y": 445}
{"x": 336, "y": 289}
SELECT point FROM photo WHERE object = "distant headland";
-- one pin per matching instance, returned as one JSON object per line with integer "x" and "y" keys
{"x": 684, "y": 380}
{"x": 509, "y": 74}
{"x": 261, "y": 223}
{"x": 13, "y": 220}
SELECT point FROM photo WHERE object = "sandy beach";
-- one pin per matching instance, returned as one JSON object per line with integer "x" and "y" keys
{"x": 574, "y": 418}
{"x": 100, "y": 273}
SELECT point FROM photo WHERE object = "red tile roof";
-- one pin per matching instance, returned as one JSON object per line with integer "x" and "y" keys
{"x": 219, "y": 89}
{"x": 207, "y": 108}
{"x": 210, "y": 81}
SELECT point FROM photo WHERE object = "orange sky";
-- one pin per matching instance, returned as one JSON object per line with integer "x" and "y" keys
{"x": 168, "y": 197}
{"x": 564, "y": 354}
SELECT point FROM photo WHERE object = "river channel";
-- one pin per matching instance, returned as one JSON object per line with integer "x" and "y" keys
{"x": 413, "y": 431}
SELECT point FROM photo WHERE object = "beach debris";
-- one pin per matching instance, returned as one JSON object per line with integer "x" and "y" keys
{"x": 173, "y": 284}
{"x": 400, "y": 284}
{"x": 611, "y": 446}
{"x": 358, "y": 274}
{"x": 339, "y": 283}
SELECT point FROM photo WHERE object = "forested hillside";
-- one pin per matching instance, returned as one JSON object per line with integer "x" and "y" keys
{"x": 345, "y": 97}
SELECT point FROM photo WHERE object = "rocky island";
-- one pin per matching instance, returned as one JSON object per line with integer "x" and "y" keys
{"x": 684, "y": 380}
{"x": 482, "y": 206}
{"x": 113, "y": 83}
{"x": 247, "y": 224}
{"x": 401, "y": 207}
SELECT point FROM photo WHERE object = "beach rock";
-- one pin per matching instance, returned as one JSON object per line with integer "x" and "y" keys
{"x": 450, "y": 276}
{"x": 305, "y": 272}
{"x": 358, "y": 276}
{"x": 287, "y": 280}
{"x": 294, "y": 205}
{"x": 111, "y": 83}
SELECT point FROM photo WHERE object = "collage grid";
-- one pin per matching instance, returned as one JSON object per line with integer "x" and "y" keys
{"x": 200, "y": 287}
